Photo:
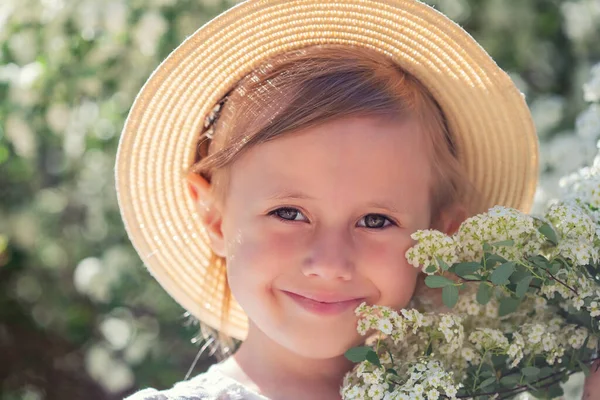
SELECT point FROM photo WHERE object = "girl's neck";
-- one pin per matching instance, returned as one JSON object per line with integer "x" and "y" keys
{"x": 268, "y": 367}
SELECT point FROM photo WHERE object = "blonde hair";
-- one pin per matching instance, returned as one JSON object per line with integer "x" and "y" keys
{"x": 307, "y": 87}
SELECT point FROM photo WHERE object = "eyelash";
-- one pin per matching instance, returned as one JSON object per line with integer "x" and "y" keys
{"x": 275, "y": 214}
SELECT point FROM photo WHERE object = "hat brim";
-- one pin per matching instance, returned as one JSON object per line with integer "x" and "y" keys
{"x": 488, "y": 116}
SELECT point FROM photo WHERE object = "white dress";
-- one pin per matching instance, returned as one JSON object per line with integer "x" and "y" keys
{"x": 211, "y": 385}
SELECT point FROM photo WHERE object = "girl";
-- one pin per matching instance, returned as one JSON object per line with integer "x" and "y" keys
{"x": 272, "y": 170}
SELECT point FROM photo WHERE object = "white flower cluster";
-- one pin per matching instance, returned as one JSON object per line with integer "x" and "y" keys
{"x": 499, "y": 224}
{"x": 514, "y": 234}
{"x": 577, "y": 231}
{"x": 583, "y": 188}
{"x": 425, "y": 379}
{"x": 407, "y": 334}
{"x": 389, "y": 322}
{"x": 432, "y": 245}
{"x": 578, "y": 292}
{"x": 547, "y": 339}
{"x": 486, "y": 339}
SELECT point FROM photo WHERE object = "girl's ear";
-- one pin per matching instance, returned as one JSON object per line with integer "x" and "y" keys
{"x": 450, "y": 218}
{"x": 209, "y": 211}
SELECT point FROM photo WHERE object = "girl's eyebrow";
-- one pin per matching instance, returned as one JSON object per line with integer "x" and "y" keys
{"x": 287, "y": 194}
{"x": 385, "y": 206}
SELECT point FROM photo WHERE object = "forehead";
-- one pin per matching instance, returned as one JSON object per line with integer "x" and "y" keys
{"x": 357, "y": 156}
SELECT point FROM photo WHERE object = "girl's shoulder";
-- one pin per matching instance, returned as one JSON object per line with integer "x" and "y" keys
{"x": 210, "y": 385}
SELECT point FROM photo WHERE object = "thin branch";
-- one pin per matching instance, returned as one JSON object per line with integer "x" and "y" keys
{"x": 559, "y": 281}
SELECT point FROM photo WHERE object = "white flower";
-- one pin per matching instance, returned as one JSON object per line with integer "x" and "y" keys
{"x": 535, "y": 333}
{"x": 433, "y": 394}
{"x": 469, "y": 355}
{"x": 385, "y": 326}
{"x": 418, "y": 389}
{"x": 377, "y": 391}
{"x": 375, "y": 377}
{"x": 414, "y": 317}
{"x": 577, "y": 338}
{"x": 451, "y": 390}
{"x": 594, "y": 309}
{"x": 353, "y": 392}
{"x": 549, "y": 342}
{"x": 473, "y": 308}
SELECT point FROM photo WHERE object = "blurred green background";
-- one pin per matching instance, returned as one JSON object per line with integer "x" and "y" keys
{"x": 79, "y": 315}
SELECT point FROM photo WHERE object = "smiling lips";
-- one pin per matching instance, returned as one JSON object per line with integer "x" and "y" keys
{"x": 325, "y": 304}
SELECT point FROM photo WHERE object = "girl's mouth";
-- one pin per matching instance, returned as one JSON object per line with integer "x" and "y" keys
{"x": 324, "y": 308}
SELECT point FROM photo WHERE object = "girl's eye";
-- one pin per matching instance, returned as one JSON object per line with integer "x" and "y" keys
{"x": 375, "y": 221}
{"x": 288, "y": 214}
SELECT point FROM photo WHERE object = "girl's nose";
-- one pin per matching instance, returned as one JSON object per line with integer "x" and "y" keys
{"x": 330, "y": 256}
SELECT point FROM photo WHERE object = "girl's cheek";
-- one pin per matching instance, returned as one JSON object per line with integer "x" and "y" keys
{"x": 263, "y": 248}
{"x": 384, "y": 263}
{"x": 387, "y": 249}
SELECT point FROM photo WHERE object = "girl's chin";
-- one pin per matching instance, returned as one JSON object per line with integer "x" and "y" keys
{"x": 325, "y": 347}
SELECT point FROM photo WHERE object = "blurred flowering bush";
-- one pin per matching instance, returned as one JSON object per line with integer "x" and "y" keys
{"x": 79, "y": 316}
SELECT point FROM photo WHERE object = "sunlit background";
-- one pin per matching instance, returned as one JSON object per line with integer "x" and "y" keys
{"x": 79, "y": 315}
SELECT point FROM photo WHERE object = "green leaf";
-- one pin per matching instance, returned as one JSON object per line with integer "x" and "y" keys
{"x": 357, "y": 354}
{"x": 472, "y": 277}
{"x": 463, "y": 269}
{"x": 501, "y": 274}
{"x": 554, "y": 268}
{"x": 484, "y": 293}
{"x": 450, "y": 296}
{"x": 391, "y": 371}
{"x": 549, "y": 233}
{"x": 519, "y": 274}
{"x": 487, "y": 371}
{"x": 486, "y": 247}
{"x": 499, "y": 360}
{"x": 487, "y": 382}
{"x": 510, "y": 380}
{"x": 373, "y": 358}
{"x": 530, "y": 371}
{"x": 431, "y": 269}
{"x": 492, "y": 259}
{"x": 442, "y": 264}
{"x": 583, "y": 347}
{"x": 584, "y": 368}
{"x": 508, "y": 305}
{"x": 429, "y": 349}
{"x": 554, "y": 391}
{"x": 546, "y": 371}
{"x": 487, "y": 374}
{"x": 504, "y": 243}
{"x": 540, "y": 261}
{"x": 523, "y": 286}
{"x": 434, "y": 281}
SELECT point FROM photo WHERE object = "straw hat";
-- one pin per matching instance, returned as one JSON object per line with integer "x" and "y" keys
{"x": 486, "y": 113}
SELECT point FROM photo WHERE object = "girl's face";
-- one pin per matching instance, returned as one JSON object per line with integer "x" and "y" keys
{"x": 325, "y": 213}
